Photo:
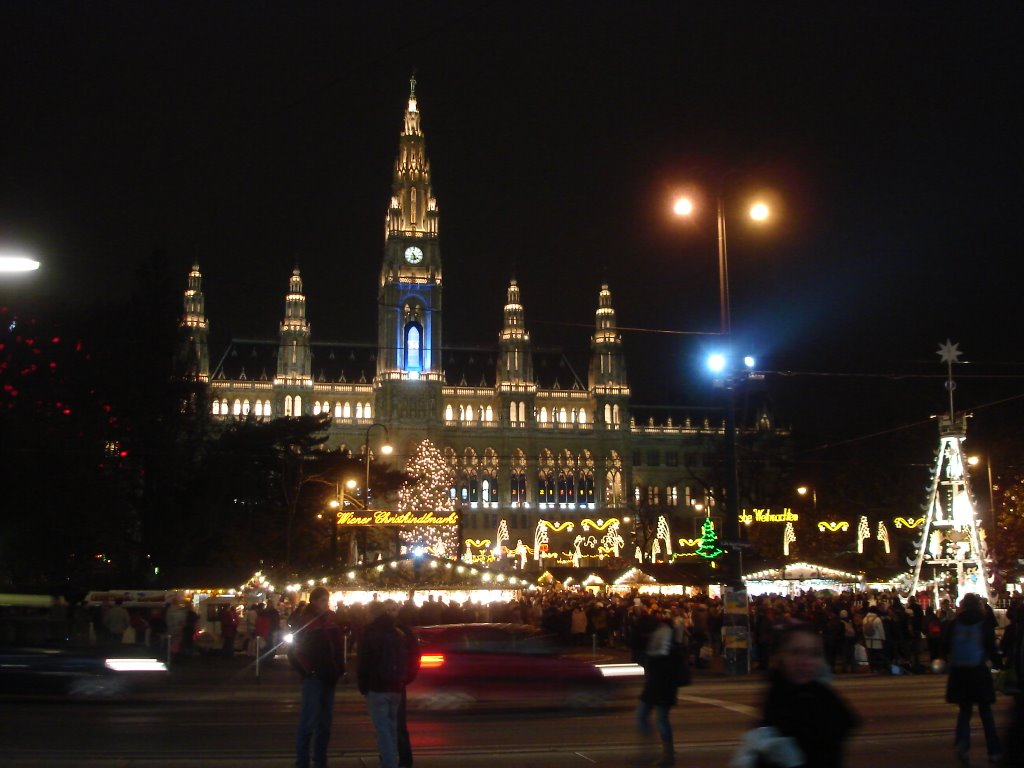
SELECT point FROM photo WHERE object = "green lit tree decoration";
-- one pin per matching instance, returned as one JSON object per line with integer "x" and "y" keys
{"x": 708, "y": 547}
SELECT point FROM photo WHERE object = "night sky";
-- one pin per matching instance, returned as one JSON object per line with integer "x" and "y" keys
{"x": 252, "y": 137}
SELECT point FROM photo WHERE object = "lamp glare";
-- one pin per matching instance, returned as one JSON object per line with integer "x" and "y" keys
{"x": 683, "y": 206}
{"x": 716, "y": 363}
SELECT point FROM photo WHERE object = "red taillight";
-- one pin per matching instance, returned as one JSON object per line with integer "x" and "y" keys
{"x": 431, "y": 660}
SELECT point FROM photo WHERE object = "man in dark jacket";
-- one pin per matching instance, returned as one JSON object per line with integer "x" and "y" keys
{"x": 969, "y": 646}
{"x": 384, "y": 671}
{"x": 320, "y": 658}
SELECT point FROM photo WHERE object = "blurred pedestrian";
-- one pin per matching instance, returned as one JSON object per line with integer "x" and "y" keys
{"x": 800, "y": 705}
{"x": 318, "y": 655}
{"x": 970, "y": 645}
{"x": 384, "y": 656}
{"x": 228, "y": 629}
{"x": 663, "y": 654}
{"x": 116, "y": 622}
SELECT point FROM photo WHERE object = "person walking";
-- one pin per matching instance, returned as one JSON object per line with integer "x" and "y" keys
{"x": 404, "y": 742}
{"x": 319, "y": 656}
{"x": 663, "y": 655}
{"x": 970, "y": 646}
{"x": 874, "y": 640}
{"x": 383, "y": 672}
{"x": 228, "y": 629}
{"x": 800, "y": 705}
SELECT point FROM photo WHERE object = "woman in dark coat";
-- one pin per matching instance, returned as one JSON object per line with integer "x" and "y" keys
{"x": 970, "y": 646}
{"x": 663, "y": 653}
{"x": 799, "y": 705}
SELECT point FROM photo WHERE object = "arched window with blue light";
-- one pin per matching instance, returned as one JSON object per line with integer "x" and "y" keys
{"x": 414, "y": 348}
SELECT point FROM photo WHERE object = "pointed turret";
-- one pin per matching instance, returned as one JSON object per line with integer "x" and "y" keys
{"x": 293, "y": 356}
{"x": 413, "y": 210}
{"x": 195, "y": 330}
{"x": 608, "y": 366}
{"x": 516, "y": 364}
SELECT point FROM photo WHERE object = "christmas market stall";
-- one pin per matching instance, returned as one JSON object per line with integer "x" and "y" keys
{"x": 793, "y": 578}
{"x": 417, "y": 577}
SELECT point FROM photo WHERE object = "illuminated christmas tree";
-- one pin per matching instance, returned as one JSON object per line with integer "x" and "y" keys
{"x": 428, "y": 491}
{"x": 708, "y": 547}
{"x": 952, "y": 547}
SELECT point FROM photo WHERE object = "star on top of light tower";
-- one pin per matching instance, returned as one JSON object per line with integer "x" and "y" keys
{"x": 949, "y": 352}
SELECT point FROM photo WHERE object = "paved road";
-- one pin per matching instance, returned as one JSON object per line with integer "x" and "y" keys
{"x": 211, "y": 714}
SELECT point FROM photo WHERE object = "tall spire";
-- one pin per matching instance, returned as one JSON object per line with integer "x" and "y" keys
{"x": 294, "y": 362}
{"x": 195, "y": 329}
{"x": 516, "y": 364}
{"x": 413, "y": 210}
{"x": 607, "y": 364}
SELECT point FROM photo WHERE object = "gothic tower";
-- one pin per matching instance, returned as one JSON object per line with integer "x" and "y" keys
{"x": 195, "y": 330}
{"x": 516, "y": 385}
{"x": 293, "y": 357}
{"x": 409, "y": 297}
{"x": 607, "y": 378}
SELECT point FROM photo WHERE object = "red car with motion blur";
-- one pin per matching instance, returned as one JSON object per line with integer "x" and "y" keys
{"x": 463, "y": 665}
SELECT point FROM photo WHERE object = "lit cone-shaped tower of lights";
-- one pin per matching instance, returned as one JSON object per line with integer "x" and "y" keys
{"x": 952, "y": 543}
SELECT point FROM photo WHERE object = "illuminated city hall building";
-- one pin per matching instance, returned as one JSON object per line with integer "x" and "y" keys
{"x": 527, "y": 438}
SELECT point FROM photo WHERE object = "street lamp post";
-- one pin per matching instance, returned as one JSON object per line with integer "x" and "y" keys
{"x": 974, "y": 461}
{"x": 385, "y": 449}
{"x": 730, "y": 374}
{"x": 338, "y": 504}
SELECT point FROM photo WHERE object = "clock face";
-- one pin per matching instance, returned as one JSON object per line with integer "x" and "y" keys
{"x": 413, "y": 255}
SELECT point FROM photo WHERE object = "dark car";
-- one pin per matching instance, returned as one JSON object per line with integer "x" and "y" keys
{"x": 466, "y": 664}
{"x": 80, "y": 672}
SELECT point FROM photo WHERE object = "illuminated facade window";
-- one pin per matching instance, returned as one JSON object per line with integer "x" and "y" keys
{"x": 543, "y": 417}
{"x": 546, "y": 481}
{"x": 512, "y": 412}
{"x": 216, "y": 407}
{"x": 367, "y": 411}
{"x": 522, "y": 411}
{"x": 614, "y": 490}
{"x": 488, "y": 414}
{"x": 518, "y": 478}
{"x": 608, "y": 413}
{"x": 236, "y": 409}
{"x": 563, "y": 416}
{"x": 258, "y": 408}
{"x": 470, "y": 415}
{"x": 672, "y": 496}
{"x": 449, "y": 413}
{"x": 245, "y": 407}
{"x": 346, "y": 411}
{"x": 337, "y": 410}
{"x": 316, "y": 408}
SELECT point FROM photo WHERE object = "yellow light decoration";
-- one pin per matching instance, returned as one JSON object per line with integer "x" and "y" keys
{"x": 688, "y": 542}
{"x": 902, "y": 522}
{"x": 599, "y": 525}
{"x": 558, "y": 527}
{"x": 478, "y": 542}
{"x": 828, "y": 525}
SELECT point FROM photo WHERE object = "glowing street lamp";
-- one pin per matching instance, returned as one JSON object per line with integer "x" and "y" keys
{"x": 759, "y": 212}
{"x": 384, "y": 449}
{"x": 17, "y": 262}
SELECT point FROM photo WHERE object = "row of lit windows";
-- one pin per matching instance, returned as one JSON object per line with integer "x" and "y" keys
{"x": 344, "y": 410}
{"x": 241, "y": 408}
{"x": 656, "y": 496}
{"x": 563, "y": 489}
{"x": 292, "y": 407}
